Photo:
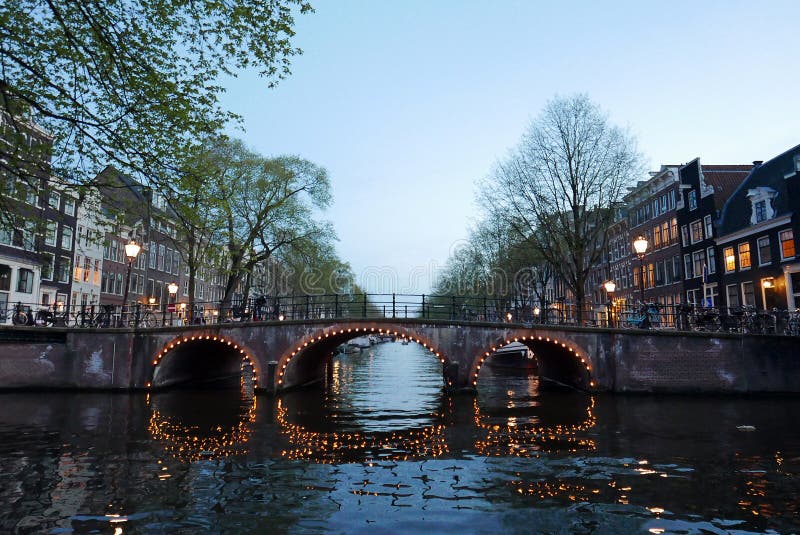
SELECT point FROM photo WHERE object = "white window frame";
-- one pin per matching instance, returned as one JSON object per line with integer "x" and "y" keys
{"x": 708, "y": 226}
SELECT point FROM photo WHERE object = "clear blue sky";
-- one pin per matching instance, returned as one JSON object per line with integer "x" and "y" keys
{"x": 408, "y": 103}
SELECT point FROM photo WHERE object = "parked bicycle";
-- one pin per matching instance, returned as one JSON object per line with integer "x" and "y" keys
{"x": 647, "y": 317}
{"x": 22, "y": 315}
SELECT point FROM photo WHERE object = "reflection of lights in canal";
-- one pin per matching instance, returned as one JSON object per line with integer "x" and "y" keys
{"x": 509, "y": 436}
{"x": 341, "y": 447}
{"x": 192, "y": 426}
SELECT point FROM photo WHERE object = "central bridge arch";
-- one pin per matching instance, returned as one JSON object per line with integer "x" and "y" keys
{"x": 305, "y": 360}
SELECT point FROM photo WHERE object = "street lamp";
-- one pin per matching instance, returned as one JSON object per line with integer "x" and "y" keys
{"x": 640, "y": 246}
{"x": 610, "y": 286}
{"x": 172, "y": 288}
{"x": 132, "y": 250}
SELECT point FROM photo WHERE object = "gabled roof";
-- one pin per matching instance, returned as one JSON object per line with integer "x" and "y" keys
{"x": 725, "y": 179}
{"x": 737, "y": 210}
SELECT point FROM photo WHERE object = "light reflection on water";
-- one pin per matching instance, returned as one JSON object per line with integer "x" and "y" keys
{"x": 386, "y": 450}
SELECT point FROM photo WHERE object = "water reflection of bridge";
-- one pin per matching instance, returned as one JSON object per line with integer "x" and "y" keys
{"x": 194, "y": 426}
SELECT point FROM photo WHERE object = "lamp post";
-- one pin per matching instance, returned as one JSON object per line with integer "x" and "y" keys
{"x": 132, "y": 250}
{"x": 172, "y": 288}
{"x": 610, "y": 286}
{"x": 640, "y": 246}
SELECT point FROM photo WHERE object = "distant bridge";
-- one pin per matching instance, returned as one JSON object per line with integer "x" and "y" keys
{"x": 292, "y": 353}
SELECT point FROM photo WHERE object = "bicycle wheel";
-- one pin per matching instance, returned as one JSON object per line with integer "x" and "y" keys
{"x": 19, "y": 318}
{"x": 148, "y": 320}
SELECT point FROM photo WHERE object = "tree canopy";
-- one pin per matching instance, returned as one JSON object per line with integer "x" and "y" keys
{"x": 130, "y": 83}
{"x": 559, "y": 186}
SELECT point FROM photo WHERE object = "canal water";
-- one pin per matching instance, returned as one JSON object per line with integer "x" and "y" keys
{"x": 385, "y": 451}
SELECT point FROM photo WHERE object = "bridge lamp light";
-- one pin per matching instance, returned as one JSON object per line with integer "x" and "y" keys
{"x": 536, "y": 311}
{"x": 281, "y": 317}
{"x": 509, "y": 316}
{"x": 640, "y": 246}
{"x": 610, "y": 287}
{"x": 172, "y": 288}
{"x": 132, "y": 250}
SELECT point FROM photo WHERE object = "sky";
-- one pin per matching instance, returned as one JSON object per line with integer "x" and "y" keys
{"x": 408, "y": 104}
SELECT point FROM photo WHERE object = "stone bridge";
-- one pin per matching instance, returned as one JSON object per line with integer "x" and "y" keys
{"x": 288, "y": 354}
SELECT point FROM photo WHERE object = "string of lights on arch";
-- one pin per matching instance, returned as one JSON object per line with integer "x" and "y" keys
{"x": 584, "y": 361}
{"x": 247, "y": 361}
{"x": 285, "y": 361}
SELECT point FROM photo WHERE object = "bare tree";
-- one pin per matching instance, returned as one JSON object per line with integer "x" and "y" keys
{"x": 557, "y": 186}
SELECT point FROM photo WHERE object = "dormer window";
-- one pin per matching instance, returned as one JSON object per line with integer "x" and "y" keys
{"x": 760, "y": 209}
{"x": 761, "y": 204}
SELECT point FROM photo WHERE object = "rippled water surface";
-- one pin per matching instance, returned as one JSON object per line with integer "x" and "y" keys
{"x": 384, "y": 451}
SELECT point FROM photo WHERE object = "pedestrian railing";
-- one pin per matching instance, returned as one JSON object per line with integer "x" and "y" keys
{"x": 683, "y": 317}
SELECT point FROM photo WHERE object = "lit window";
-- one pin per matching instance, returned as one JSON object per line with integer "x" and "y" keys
{"x": 744, "y": 255}
{"x": 786, "y": 238}
{"x": 730, "y": 259}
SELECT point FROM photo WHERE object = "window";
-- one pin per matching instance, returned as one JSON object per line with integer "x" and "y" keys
{"x": 663, "y": 203}
{"x": 25, "y": 281}
{"x": 760, "y": 208}
{"x": 161, "y": 254}
{"x": 659, "y": 273}
{"x": 5, "y": 278}
{"x": 651, "y": 276}
{"x": 691, "y": 296}
{"x": 692, "y": 200}
{"x": 673, "y": 230}
{"x": 51, "y": 229}
{"x": 77, "y": 275}
{"x": 687, "y": 265}
{"x": 676, "y": 268}
{"x": 152, "y": 261}
{"x": 744, "y": 255}
{"x": 672, "y": 199}
{"x": 64, "y": 268}
{"x": 730, "y": 259}
{"x": 697, "y": 231}
{"x": 66, "y": 238}
{"x": 665, "y": 239}
{"x": 748, "y": 295}
{"x": 96, "y": 275}
{"x": 657, "y": 237}
{"x": 709, "y": 226}
{"x": 685, "y": 235}
{"x": 69, "y": 206}
{"x": 87, "y": 268}
{"x": 104, "y": 284}
{"x": 711, "y": 295}
{"x": 698, "y": 259}
{"x": 54, "y": 200}
{"x": 732, "y": 292}
{"x": 711, "y": 260}
{"x": 786, "y": 238}
{"x": 764, "y": 252}
{"x": 48, "y": 264}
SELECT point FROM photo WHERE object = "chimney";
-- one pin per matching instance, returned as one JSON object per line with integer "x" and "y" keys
{"x": 756, "y": 163}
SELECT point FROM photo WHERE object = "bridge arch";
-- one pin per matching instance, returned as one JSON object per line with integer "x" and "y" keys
{"x": 297, "y": 365}
{"x": 560, "y": 359}
{"x": 200, "y": 358}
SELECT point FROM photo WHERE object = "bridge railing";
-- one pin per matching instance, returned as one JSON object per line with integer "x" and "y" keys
{"x": 686, "y": 317}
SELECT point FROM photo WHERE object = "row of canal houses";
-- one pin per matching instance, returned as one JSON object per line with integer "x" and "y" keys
{"x": 718, "y": 236}
{"x": 66, "y": 250}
